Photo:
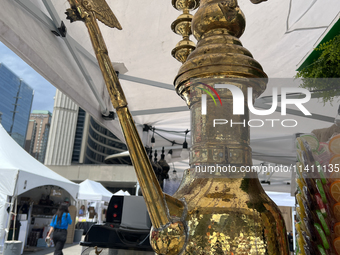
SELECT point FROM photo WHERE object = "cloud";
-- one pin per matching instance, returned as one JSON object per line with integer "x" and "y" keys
{"x": 44, "y": 91}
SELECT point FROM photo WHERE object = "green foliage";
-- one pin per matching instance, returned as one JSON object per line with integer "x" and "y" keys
{"x": 327, "y": 66}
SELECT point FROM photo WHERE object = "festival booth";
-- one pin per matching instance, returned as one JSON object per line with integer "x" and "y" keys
{"x": 30, "y": 189}
{"x": 96, "y": 198}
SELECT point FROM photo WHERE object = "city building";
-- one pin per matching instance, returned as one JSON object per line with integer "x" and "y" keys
{"x": 30, "y": 136}
{"x": 42, "y": 129}
{"x": 16, "y": 99}
{"x": 77, "y": 147}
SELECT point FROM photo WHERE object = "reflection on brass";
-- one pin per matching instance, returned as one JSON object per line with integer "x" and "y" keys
{"x": 88, "y": 11}
{"x": 185, "y": 4}
{"x": 97, "y": 251}
{"x": 171, "y": 241}
{"x": 227, "y": 213}
{"x": 182, "y": 26}
{"x": 257, "y": 1}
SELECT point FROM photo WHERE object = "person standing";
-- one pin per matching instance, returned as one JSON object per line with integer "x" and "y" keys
{"x": 82, "y": 211}
{"x": 291, "y": 242}
{"x": 59, "y": 225}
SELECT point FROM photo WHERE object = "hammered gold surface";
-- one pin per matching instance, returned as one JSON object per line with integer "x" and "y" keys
{"x": 228, "y": 213}
{"x": 169, "y": 241}
{"x": 231, "y": 216}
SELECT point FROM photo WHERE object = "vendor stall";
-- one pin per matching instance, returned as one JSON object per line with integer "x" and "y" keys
{"x": 95, "y": 196}
{"x": 36, "y": 189}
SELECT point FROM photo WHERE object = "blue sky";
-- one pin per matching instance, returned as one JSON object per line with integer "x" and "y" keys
{"x": 43, "y": 90}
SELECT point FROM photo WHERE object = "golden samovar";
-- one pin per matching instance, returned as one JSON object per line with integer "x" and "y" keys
{"x": 216, "y": 212}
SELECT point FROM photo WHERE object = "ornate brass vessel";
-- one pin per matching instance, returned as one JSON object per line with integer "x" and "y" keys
{"x": 215, "y": 212}
{"x": 227, "y": 212}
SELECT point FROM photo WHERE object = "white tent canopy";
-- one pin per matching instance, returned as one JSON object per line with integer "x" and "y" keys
{"x": 282, "y": 199}
{"x": 121, "y": 193}
{"x": 20, "y": 169}
{"x": 93, "y": 191}
{"x": 20, "y": 172}
{"x": 278, "y": 33}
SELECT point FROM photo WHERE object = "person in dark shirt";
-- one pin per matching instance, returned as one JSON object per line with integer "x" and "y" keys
{"x": 291, "y": 242}
{"x": 59, "y": 225}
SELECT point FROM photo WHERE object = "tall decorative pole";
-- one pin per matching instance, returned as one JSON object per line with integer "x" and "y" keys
{"x": 157, "y": 203}
{"x": 182, "y": 26}
{"x": 228, "y": 211}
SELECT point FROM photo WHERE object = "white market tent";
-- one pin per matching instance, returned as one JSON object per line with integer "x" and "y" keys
{"x": 282, "y": 199}
{"x": 93, "y": 191}
{"x": 20, "y": 172}
{"x": 278, "y": 33}
{"x": 121, "y": 193}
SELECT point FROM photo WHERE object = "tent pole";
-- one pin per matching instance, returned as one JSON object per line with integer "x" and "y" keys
{"x": 15, "y": 217}
{"x": 12, "y": 202}
{"x": 10, "y": 219}
{"x": 99, "y": 213}
{"x": 293, "y": 223}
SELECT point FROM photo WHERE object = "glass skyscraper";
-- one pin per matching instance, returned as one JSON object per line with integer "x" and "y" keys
{"x": 15, "y": 104}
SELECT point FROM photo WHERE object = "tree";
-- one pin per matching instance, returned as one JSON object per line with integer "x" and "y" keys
{"x": 327, "y": 67}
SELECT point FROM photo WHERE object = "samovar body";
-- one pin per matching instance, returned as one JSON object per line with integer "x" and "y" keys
{"x": 228, "y": 211}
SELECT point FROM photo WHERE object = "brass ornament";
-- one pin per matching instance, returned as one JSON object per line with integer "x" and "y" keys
{"x": 99, "y": 7}
{"x": 257, "y": 1}
{"x": 181, "y": 5}
{"x": 171, "y": 240}
{"x": 97, "y": 252}
{"x": 227, "y": 213}
{"x": 182, "y": 26}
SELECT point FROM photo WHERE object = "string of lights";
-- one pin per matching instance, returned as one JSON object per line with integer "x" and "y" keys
{"x": 173, "y": 142}
{"x": 185, "y": 151}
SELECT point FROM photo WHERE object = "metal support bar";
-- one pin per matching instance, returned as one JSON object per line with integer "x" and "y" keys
{"x": 160, "y": 110}
{"x": 147, "y": 82}
{"x": 53, "y": 25}
{"x": 36, "y": 13}
{"x": 73, "y": 50}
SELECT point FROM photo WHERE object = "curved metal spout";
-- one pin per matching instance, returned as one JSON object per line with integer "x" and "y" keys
{"x": 87, "y": 11}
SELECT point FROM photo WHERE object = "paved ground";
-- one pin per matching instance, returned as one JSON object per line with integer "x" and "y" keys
{"x": 69, "y": 249}
{"x": 76, "y": 249}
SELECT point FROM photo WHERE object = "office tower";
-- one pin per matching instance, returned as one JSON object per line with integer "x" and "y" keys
{"x": 76, "y": 138}
{"x": 30, "y": 136}
{"x": 43, "y": 121}
{"x": 15, "y": 104}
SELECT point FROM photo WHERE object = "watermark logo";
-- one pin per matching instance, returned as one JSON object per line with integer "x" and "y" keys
{"x": 204, "y": 97}
{"x": 238, "y": 99}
